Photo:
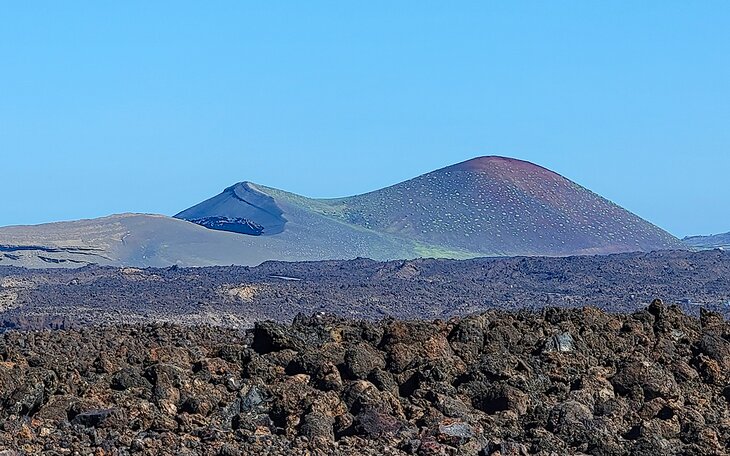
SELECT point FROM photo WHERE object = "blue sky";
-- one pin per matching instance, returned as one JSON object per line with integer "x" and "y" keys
{"x": 110, "y": 107}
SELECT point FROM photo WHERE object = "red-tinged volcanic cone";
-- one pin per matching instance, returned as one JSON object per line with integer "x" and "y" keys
{"x": 497, "y": 205}
{"x": 484, "y": 206}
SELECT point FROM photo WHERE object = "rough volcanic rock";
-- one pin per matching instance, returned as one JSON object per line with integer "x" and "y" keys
{"x": 557, "y": 381}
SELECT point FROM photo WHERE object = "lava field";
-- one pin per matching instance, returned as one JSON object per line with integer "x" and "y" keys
{"x": 237, "y": 297}
{"x": 553, "y": 382}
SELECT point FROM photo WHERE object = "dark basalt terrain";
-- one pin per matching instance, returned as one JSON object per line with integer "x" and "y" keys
{"x": 553, "y": 382}
{"x": 239, "y": 296}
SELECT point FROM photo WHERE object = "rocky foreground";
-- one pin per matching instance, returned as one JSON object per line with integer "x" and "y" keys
{"x": 553, "y": 382}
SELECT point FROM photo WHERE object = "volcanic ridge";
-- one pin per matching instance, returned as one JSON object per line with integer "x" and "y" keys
{"x": 487, "y": 206}
{"x": 714, "y": 241}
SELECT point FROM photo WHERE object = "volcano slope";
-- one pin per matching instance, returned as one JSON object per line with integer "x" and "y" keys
{"x": 146, "y": 240}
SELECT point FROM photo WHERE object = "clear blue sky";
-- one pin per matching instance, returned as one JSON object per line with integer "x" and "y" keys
{"x": 110, "y": 107}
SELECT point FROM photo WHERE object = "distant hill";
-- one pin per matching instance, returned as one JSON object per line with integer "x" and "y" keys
{"x": 488, "y": 206}
{"x": 714, "y": 241}
{"x": 482, "y": 207}
{"x": 144, "y": 240}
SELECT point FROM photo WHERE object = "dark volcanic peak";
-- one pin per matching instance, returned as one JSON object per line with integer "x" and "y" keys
{"x": 241, "y": 209}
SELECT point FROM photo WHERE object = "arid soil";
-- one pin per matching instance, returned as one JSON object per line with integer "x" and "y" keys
{"x": 549, "y": 382}
{"x": 236, "y": 297}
